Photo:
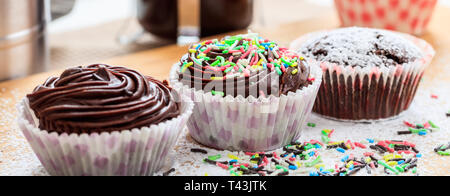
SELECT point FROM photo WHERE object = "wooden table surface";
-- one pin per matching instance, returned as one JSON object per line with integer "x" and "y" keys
{"x": 157, "y": 63}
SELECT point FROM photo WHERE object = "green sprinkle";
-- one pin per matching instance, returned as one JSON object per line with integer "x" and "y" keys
{"x": 433, "y": 125}
{"x": 315, "y": 162}
{"x": 414, "y": 170}
{"x": 416, "y": 131}
{"x": 281, "y": 167}
{"x": 213, "y": 92}
{"x": 287, "y": 62}
{"x": 325, "y": 139}
{"x": 215, "y": 63}
{"x": 214, "y": 157}
{"x": 398, "y": 168}
{"x": 225, "y": 52}
{"x": 388, "y": 166}
{"x": 311, "y": 125}
{"x": 278, "y": 71}
{"x": 444, "y": 153}
{"x": 228, "y": 69}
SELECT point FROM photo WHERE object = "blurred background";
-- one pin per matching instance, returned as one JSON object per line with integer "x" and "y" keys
{"x": 73, "y": 32}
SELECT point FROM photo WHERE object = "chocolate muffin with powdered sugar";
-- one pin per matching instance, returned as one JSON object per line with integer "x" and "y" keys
{"x": 368, "y": 73}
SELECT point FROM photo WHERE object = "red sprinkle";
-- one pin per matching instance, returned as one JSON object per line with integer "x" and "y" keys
{"x": 360, "y": 145}
{"x": 434, "y": 96}
{"x": 368, "y": 154}
{"x": 409, "y": 124}
{"x": 351, "y": 144}
{"x": 275, "y": 155}
{"x": 222, "y": 165}
{"x": 426, "y": 125}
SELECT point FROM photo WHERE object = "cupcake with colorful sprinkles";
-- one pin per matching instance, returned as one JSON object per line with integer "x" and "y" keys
{"x": 250, "y": 93}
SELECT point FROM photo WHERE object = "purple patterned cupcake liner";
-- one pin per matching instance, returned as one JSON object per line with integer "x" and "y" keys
{"x": 136, "y": 152}
{"x": 249, "y": 124}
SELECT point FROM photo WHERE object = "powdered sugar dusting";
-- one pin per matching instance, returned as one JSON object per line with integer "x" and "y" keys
{"x": 423, "y": 108}
{"x": 17, "y": 158}
{"x": 363, "y": 47}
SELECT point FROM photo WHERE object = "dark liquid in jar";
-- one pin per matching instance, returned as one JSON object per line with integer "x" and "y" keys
{"x": 160, "y": 17}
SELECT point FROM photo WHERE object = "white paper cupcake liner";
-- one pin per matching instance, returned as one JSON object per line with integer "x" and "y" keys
{"x": 248, "y": 124}
{"x": 136, "y": 152}
{"x": 369, "y": 93}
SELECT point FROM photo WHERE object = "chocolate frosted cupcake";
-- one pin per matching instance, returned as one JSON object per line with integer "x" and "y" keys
{"x": 102, "y": 120}
{"x": 250, "y": 94}
{"x": 369, "y": 74}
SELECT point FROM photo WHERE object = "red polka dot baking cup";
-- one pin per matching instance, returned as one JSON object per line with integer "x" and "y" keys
{"x": 361, "y": 94}
{"x": 409, "y": 16}
{"x": 136, "y": 152}
{"x": 249, "y": 124}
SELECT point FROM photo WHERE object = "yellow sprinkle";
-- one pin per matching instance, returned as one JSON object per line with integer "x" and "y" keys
{"x": 186, "y": 66}
{"x": 206, "y": 174}
{"x": 368, "y": 160}
{"x": 216, "y": 78}
{"x": 392, "y": 163}
{"x": 294, "y": 65}
{"x": 259, "y": 62}
{"x": 397, "y": 156}
{"x": 299, "y": 164}
{"x": 388, "y": 157}
{"x": 349, "y": 164}
{"x": 192, "y": 50}
{"x": 256, "y": 155}
{"x": 233, "y": 157}
{"x": 301, "y": 58}
{"x": 295, "y": 71}
{"x": 318, "y": 166}
{"x": 261, "y": 47}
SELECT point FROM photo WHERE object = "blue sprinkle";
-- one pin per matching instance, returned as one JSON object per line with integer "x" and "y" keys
{"x": 233, "y": 161}
{"x": 341, "y": 174}
{"x": 318, "y": 146}
{"x": 326, "y": 172}
{"x": 345, "y": 158}
{"x": 285, "y": 65}
{"x": 422, "y": 133}
{"x": 400, "y": 162}
{"x": 198, "y": 46}
{"x": 313, "y": 173}
{"x": 418, "y": 155}
{"x": 312, "y": 153}
{"x": 370, "y": 140}
{"x": 292, "y": 167}
{"x": 264, "y": 66}
{"x": 351, "y": 167}
{"x": 340, "y": 150}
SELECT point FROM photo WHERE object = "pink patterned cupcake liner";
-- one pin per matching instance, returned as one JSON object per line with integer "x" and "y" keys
{"x": 409, "y": 16}
{"x": 249, "y": 124}
{"x": 369, "y": 93}
{"x": 136, "y": 152}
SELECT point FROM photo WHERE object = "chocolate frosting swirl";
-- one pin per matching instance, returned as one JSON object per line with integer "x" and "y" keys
{"x": 102, "y": 98}
{"x": 245, "y": 80}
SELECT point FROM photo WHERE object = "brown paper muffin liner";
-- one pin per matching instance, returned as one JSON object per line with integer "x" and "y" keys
{"x": 369, "y": 93}
{"x": 136, "y": 152}
{"x": 249, "y": 124}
